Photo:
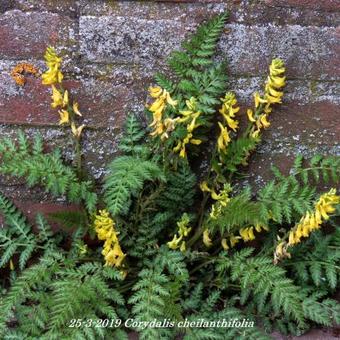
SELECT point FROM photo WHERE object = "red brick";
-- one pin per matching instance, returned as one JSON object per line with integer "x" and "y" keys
{"x": 25, "y": 35}
{"x": 328, "y": 5}
{"x": 101, "y": 102}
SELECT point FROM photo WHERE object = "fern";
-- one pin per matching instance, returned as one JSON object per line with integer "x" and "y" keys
{"x": 285, "y": 199}
{"x": 199, "y": 50}
{"x": 265, "y": 283}
{"x": 239, "y": 212}
{"x": 16, "y": 236}
{"x": 315, "y": 262}
{"x": 149, "y": 300}
{"x": 126, "y": 178}
{"x": 46, "y": 169}
{"x": 134, "y": 134}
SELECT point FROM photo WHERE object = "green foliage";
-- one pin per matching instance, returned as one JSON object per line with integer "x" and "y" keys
{"x": 132, "y": 140}
{"x": 240, "y": 211}
{"x": 17, "y": 238}
{"x": 149, "y": 300}
{"x": 51, "y": 281}
{"x": 126, "y": 178}
{"x": 285, "y": 199}
{"x": 47, "y": 169}
{"x": 315, "y": 261}
{"x": 263, "y": 283}
{"x": 199, "y": 50}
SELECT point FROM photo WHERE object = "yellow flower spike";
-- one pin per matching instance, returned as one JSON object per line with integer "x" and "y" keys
{"x": 105, "y": 229}
{"x": 312, "y": 220}
{"x": 77, "y": 130}
{"x": 264, "y": 121}
{"x": 183, "y": 247}
{"x": 75, "y": 108}
{"x": 11, "y": 265}
{"x": 223, "y": 139}
{"x": 250, "y": 115}
{"x": 57, "y": 98}
{"x": 224, "y": 244}
{"x": 206, "y": 238}
{"x": 64, "y": 117}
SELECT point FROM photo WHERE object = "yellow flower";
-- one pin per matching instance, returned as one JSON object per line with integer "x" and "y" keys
{"x": 105, "y": 229}
{"x": 64, "y": 117}
{"x": 258, "y": 100}
{"x": 155, "y": 92}
{"x": 263, "y": 120}
{"x": 75, "y": 108}
{"x": 228, "y": 111}
{"x": 224, "y": 244}
{"x": 58, "y": 99}
{"x": 174, "y": 243}
{"x": 247, "y": 234}
{"x": 223, "y": 139}
{"x": 183, "y": 231}
{"x": 53, "y": 74}
{"x": 281, "y": 252}
{"x": 206, "y": 238}
{"x": 312, "y": 220}
{"x": 11, "y": 265}
{"x": 250, "y": 115}
{"x": 77, "y": 130}
{"x": 234, "y": 240}
{"x": 204, "y": 187}
{"x": 157, "y": 108}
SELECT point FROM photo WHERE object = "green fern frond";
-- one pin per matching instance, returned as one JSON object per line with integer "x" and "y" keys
{"x": 126, "y": 178}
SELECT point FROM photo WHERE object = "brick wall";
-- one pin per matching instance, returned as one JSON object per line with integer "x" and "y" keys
{"x": 112, "y": 48}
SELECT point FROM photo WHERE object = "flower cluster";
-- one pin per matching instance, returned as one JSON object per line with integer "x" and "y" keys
{"x": 227, "y": 111}
{"x": 309, "y": 222}
{"x": 18, "y": 71}
{"x": 272, "y": 95}
{"x": 162, "y": 98}
{"x": 312, "y": 221}
{"x": 183, "y": 231}
{"x": 53, "y": 61}
{"x": 105, "y": 229}
{"x": 190, "y": 117}
{"x": 60, "y": 97}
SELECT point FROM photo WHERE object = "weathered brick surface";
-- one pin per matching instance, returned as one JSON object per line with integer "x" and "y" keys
{"x": 26, "y": 34}
{"x": 309, "y": 52}
{"x": 112, "y": 49}
{"x": 330, "y": 5}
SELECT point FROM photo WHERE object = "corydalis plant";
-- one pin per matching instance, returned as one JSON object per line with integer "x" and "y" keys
{"x": 160, "y": 244}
